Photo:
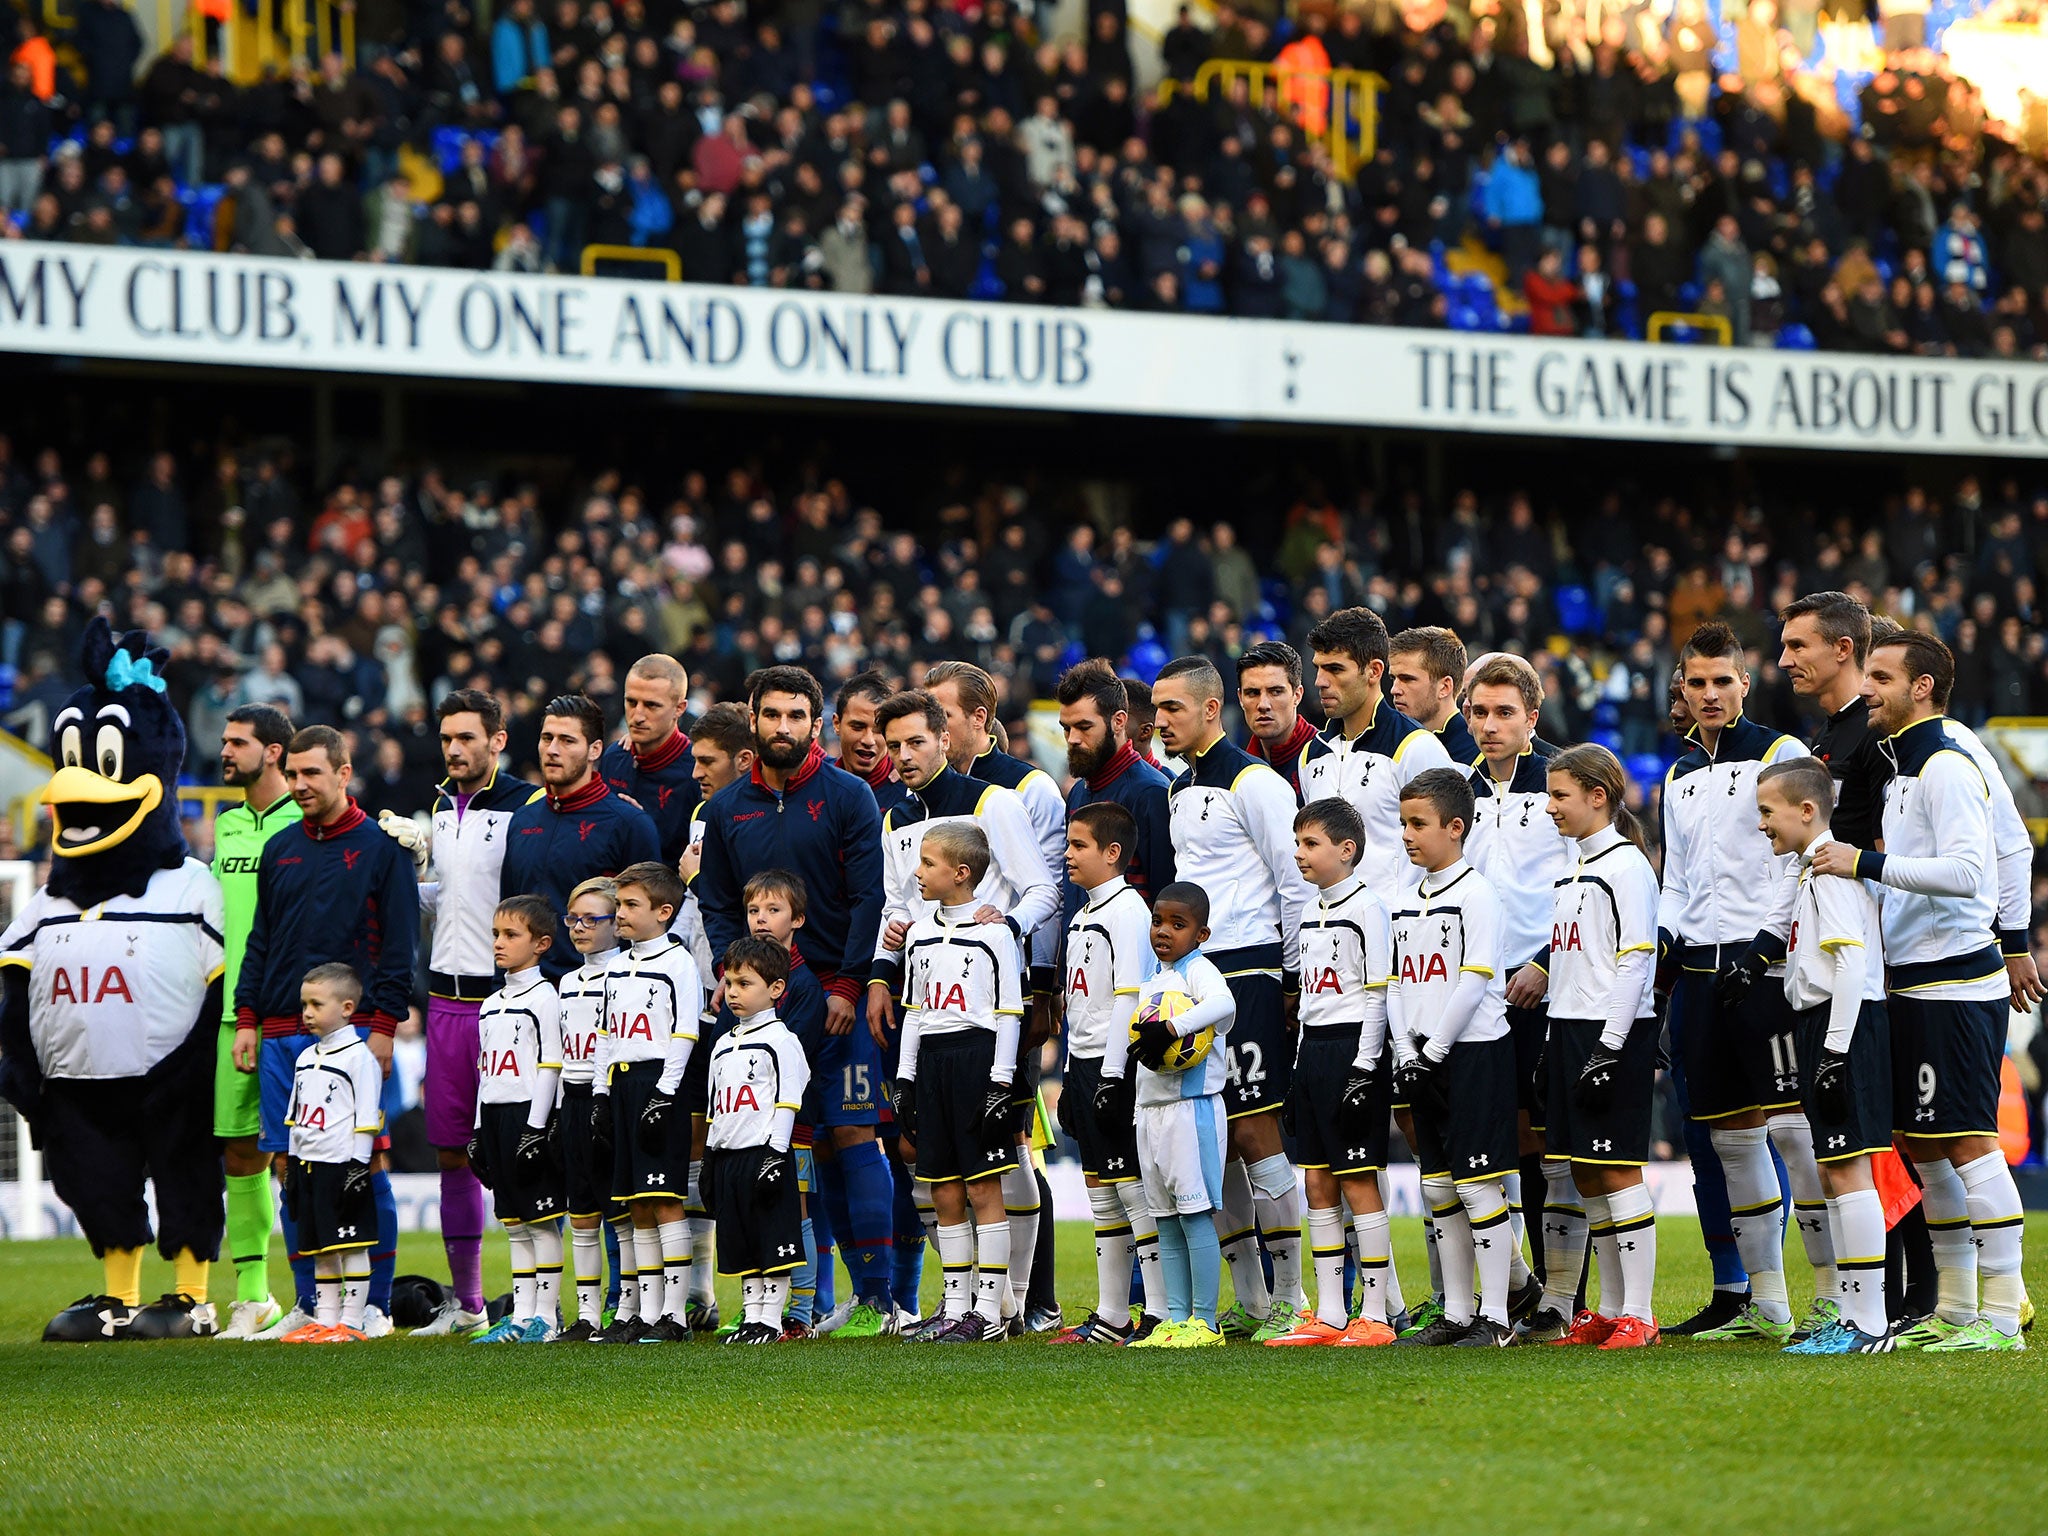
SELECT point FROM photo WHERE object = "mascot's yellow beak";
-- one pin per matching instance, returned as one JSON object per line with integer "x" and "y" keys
{"x": 84, "y": 807}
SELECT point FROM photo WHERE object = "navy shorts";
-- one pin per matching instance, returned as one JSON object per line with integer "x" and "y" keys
{"x": 1258, "y": 1054}
{"x": 1946, "y": 1059}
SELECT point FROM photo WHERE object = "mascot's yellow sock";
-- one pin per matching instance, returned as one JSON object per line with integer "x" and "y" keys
{"x": 124, "y": 1275}
{"x": 191, "y": 1274}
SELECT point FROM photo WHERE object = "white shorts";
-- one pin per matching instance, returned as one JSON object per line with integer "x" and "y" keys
{"x": 1180, "y": 1155}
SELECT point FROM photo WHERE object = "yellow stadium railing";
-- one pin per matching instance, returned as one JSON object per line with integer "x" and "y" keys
{"x": 670, "y": 263}
{"x": 272, "y": 33}
{"x": 1715, "y": 325}
{"x": 1339, "y": 106}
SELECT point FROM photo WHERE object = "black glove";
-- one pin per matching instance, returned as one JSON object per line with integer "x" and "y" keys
{"x": 653, "y": 1129}
{"x": 1831, "y": 1085}
{"x": 356, "y": 1198}
{"x": 601, "y": 1129}
{"x": 1594, "y": 1090}
{"x": 532, "y": 1155}
{"x": 1733, "y": 981}
{"x": 1063, "y": 1112}
{"x": 1154, "y": 1036}
{"x": 1115, "y": 1103}
{"x": 996, "y": 1114}
{"x": 480, "y": 1162}
{"x": 905, "y": 1105}
{"x": 1420, "y": 1084}
{"x": 292, "y": 1182}
{"x": 772, "y": 1177}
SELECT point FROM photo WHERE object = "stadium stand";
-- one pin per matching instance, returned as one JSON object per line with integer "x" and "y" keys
{"x": 1772, "y": 178}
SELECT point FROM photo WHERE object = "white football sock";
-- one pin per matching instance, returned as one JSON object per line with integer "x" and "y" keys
{"x": 1238, "y": 1235}
{"x": 327, "y": 1289}
{"x": 774, "y": 1299}
{"x": 1488, "y": 1213}
{"x": 1114, "y": 1246}
{"x": 547, "y": 1271}
{"x": 1607, "y": 1252}
{"x": 647, "y": 1247}
{"x": 586, "y": 1250}
{"x": 521, "y": 1239}
{"x": 1276, "y": 1202}
{"x": 1754, "y": 1205}
{"x": 1793, "y": 1138}
{"x": 703, "y": 1273}
{"x": 1375, "y": 1266}
{"x": 752, "y": 1288}
{"x": 674, "y": 1237}
{"x": 1145, "y": 1237}
{"x": 992, "y": 1271}
{"x": 355, "y": 1287}
{"x": 1633, "y": 1222}
{"x": 1396, "y": 1303}
{"x": 1858, "y": 1222}
{"x": 1453, "y": 1246}
{"x": 1947, "y": 1205}
{"x": 1326, "y": 1246}
{"x": 1564, "y": 1238}
{"x": 1020, "y": 1204}
{"x": 956, "y": 1264}
{"x": 1996, "y": 1224}
{"x": 629, "y": 1269}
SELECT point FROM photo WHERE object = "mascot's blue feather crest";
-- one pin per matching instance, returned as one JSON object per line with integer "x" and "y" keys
{"x": 126, "y": 671}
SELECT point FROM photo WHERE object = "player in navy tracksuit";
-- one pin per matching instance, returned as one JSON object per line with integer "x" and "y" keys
{"x": 822, "y": 826}
{"x": 557, "y": 841}
{"x": 652, "y": 766}
{"x": 797, "y": 812}
{"x": 336, "y": 889}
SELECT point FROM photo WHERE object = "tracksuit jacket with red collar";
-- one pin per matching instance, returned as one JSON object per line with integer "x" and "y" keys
{"x": 824, "y": 828}
{"x": 556, "y": 843}
{"x": 342, "y": 892}
{"x": 662, "y": 783}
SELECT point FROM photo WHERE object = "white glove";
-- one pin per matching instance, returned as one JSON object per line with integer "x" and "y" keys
{"x": 409, "y": 835}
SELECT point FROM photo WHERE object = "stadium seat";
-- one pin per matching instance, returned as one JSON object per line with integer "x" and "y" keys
{"x": 1610, "y": 739}
{"x": 1576, "y": 614}
{"x": 200, "y": 203}
{"x": 1646, "y": 768}
{"x": 1795, "y": 338}
{"x": 1145, "y": 660}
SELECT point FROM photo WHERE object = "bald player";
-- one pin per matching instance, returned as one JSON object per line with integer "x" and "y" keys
{"x": 652, "y": 766}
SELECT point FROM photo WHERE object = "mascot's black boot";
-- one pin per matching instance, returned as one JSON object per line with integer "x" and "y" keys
{"x": 174, "y": 1315}
{"x": 90, "y": 1320}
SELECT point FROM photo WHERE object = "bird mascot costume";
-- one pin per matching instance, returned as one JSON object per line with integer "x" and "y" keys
{"x": 112, "y": 1001}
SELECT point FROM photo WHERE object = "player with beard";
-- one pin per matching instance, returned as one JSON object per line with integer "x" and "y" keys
{"x": 1424, "y": 669}
{"x": 862, "y": 752}
{"x": 252, "y": 747}
{"x": 1269, "y": 694}
{"x": 652, "y": 766}
{"x": 1095, "y": 718}
{"x": 575, "y": 828}
{"x": 794, "y": 811}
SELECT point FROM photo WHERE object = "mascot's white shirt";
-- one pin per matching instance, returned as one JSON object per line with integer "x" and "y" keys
{"x": 114, "y": 989}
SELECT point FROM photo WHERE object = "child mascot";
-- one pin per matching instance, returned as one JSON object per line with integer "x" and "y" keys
{"x": 112, "y": 1002}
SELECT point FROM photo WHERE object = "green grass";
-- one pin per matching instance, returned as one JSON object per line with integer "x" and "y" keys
{"x": 882, "y": 1436}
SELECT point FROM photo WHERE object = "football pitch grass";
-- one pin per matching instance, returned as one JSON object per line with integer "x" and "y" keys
{"x": 1009, "y": 1438}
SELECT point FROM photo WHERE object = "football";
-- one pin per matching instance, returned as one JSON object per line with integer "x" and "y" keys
{"x": 1179, "y": 1054}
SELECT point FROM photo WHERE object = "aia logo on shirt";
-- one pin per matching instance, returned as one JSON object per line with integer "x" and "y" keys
{"x": 1327, "y": 980}
{"x": 1420, "y": 968}
{"x": 500, "y": 1063}
{"x": 1792, "y": 943}
{"x": 1078, "y": 987}
{"x": 313, "y": 1117}
{"x": 944, "y": 994}
{"x": 349, "y": 857}
{"x": 1566, "y": 936}
{"x": 111, "y": 984}
{"x": 731, "y": 1100}
{"x": 636, "y": 1027}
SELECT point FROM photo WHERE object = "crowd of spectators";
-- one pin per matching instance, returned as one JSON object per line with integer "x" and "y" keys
{"x": 908, "y": 147}
{"x": 360, "y": 603}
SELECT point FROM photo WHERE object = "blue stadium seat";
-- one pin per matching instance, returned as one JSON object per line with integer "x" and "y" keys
{"x": 1611, "y": 740}
{"x": 6, "y": 686}
{"x": 447, "y": 145}
{"x": 200, "y": 203}
{"x": 1145, "y": 660}
{"x": 1646, "y": 768}
{"x": 1576, "y": 614}
{"x": 1073, "y": 655}
{"x": 1796, "y": 338}
{"x": 1607, "y": 715}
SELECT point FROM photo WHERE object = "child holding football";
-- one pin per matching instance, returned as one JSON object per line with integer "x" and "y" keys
{"x": 1184, "y": 1009}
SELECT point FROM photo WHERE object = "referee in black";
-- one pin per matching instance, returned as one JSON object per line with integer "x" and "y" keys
{"x": 1825, "y": 641}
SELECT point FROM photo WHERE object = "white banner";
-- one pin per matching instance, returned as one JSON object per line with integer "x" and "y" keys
{"x": 416, "y": 322}
{"x": 419, "y": 1199}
